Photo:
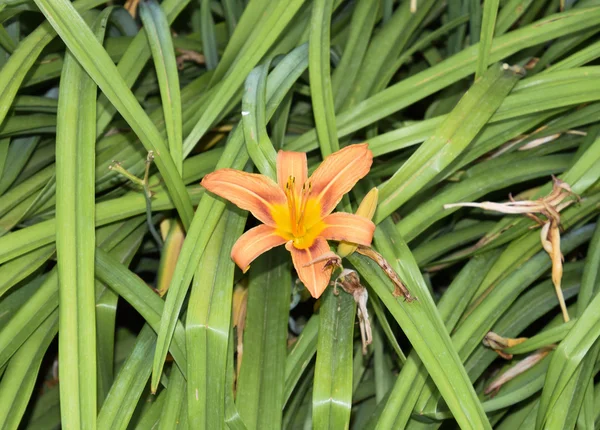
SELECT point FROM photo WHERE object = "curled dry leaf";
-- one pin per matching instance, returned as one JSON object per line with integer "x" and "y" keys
{"x": 548, "y": 207}
{"x": 350, "y": 283}
{"x": 399, "y": 287}
{"x": 498, "y": 343}
{"x": 516, "y": 370}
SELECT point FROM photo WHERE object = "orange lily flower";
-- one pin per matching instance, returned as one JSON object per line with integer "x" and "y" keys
{"x": 296, "y": 211}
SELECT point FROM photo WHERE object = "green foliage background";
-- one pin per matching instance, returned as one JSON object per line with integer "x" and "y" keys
{"x": 449, "y": 95}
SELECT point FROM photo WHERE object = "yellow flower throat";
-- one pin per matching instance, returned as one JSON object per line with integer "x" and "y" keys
{"x": 299, "y": 220}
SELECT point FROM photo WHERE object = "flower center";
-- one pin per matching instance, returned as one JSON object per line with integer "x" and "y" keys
{"x": 300, "y": 219}
{"x": 297, "y": 206}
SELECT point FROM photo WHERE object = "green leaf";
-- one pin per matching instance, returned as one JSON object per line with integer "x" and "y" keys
{"x": 135, "y": 291}
{"x": 488, "y": 24}
{"x": 567, "y": 358}
{"x": 208, "y": 324}
{"x": 405, "y": 393}
{"x": 159, "y": 37}
{"x": 320, "y": 77}
{"x": 422, "y": 324}
{"x": 332, "y": 389}
{"x": 207, "y": 27}
{"x": 262, "y": 373}
{"x": 455, "y": 68}
{"x": 21, "y": 374}
{"x": 451, "y": 138}
{"x": 259, "y": 146}
{"x": 129, "y": 384}
{"x": 300, "y": 355}
{"x": 75, "y": 240}
{"x": 267, "y": 32}
{"x": 96, "y": 62}
{"x": 133, "y": 61}
{"x": 210, "y": 209}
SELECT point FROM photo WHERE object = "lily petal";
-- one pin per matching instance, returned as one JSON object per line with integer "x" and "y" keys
{"x": 338, "y": 174}
{"x": 347, "y": 227}
{"x": 294, "y": 164}
{"x": 253, "y": 243}
{"x": 315, "y": 276}
{"x": 249, "y": 191}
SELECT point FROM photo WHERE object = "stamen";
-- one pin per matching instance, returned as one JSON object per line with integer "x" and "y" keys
{"x": 306, "y": 189}
{"x": 290, "y": 191}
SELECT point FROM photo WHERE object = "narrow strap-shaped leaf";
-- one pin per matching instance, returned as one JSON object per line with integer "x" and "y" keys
{"x": 332, "y": 389}
{"x": 22, "y": 241}
{"x": 488, "y": 24}
{"x": 19, "y": 63}
{"x": 207, "y": 30}
{"x": 22, "y": 373}
{"x": 6, "y": 41}
{"x": 591, "y": 273}
{"x": 405, "y": 393}
{"x": 363, "y": 21}
{"x": 384, "y": 47}
{"x": 280, "y": 121}
{"x": 568, "y": 356}
{"x": 24, "y": 57}
{"x": 422, "y": 324}
{"x": 572, "y": 396}
{"x": 494, "y": 178}
{"x": 23, "y": 321}
{"x": 545, "y": 338}
{"x": 210, "y": 209}
{"x": 95, "y": 60}
{"x": 129, "y": 384}
{"x": 232, "y": 11}
{"x": 18, "y": 269}
{"x": 151, "y": 417}
{"x": 28, "y": 317}
{"x": 300, "y": 355}
{"x": 174, "y": 408}
{"x": 449, "y": 71}
{"x": 133, "y": 62}
{"x": 580, "y": 176}
{"x": 451, "y": 138}
{"x": 246, "y": 28}
{"x": 75, "y": 240}
{"x": 107, "y": 300}
{"x": 279, "y": 16}
{"x": 4, "y": 147}
{"x": 482, "y": 314}
{"x": 259, "y": 146}
{"x": 161, "y": 44}
{"x": 19, "y": 151}
{"x": 262, "y": 374}
{"x": 137, "y": 293}
{"x": 232, "y": 416}
{"x": 208, "y": 324}
{"x": 510, "y": 13}
{"x": 320, "y": 77}
{"x": 476, "y": 16}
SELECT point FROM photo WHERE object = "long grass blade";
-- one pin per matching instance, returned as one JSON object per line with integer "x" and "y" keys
{"x": 436, "y": 153}
{"x": 320, "y": 77}
{"x": 94, "y": 59}
{"x": 208, "y": 326}
{"x": 159, "y": 37}
{"x": 332, "y": 389}
{"x": 488, "y": 25}
{"x": 262, "y": 373}
{"x": 75, "y": 241}
{"x": 209, "y": 210}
